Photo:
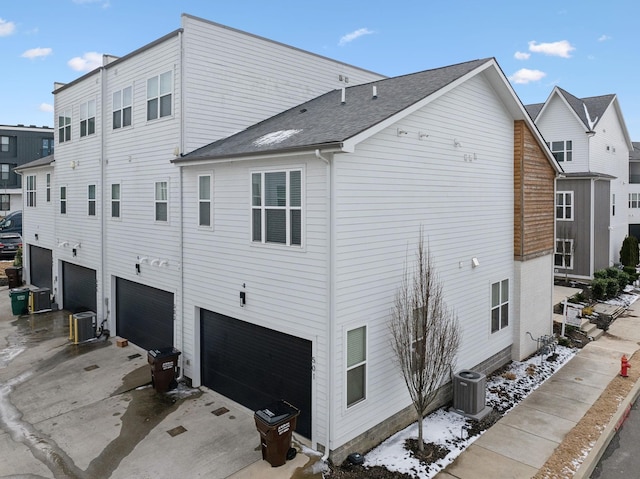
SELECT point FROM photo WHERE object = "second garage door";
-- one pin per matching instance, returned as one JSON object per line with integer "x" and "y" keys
{"x": 255, "y": 366}
{"x": 40, "y": 266}
{"x": 144, "y": 315}
{"x": 79, "y": 288}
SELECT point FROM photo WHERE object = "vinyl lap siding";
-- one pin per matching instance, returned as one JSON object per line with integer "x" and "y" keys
{"x": 390, "y": 188}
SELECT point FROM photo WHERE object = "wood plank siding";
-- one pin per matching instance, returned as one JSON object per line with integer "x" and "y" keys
{"x": 533, "y": 196}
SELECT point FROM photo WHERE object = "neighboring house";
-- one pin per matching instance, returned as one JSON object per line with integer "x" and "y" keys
{"x": 634, "y": 190}
{"x": 19, "y": 145}
{"x": 296, "y": 232}
{"x": 588, "y": 136}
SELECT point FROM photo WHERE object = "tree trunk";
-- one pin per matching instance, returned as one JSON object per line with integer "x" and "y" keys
{"x": 420, "y": 440}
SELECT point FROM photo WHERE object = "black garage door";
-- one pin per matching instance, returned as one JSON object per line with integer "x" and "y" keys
{"x": 40, "y": 267}
{"x": 254, "y": 365}
{"x": 144, "y": 315}
{"x": 79, "y": 288}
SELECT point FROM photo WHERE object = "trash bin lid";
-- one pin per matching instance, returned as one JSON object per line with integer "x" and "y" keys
{"x": 164, "y": 352}
{"x": 18, "y": 290}
{"x": 276, "y": 412}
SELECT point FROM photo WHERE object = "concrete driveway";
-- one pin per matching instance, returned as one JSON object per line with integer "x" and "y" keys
{"x": 88, "y": 411}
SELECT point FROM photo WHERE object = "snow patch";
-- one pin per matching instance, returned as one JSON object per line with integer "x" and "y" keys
{"x": 275, "y": 137}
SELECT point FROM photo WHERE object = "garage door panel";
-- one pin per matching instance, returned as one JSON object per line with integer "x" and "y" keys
{"x": 144, "y": 314}
{"x": 79, "y": 288}
{"x": 40, "y": 266}
{"x": 255, "y": 366}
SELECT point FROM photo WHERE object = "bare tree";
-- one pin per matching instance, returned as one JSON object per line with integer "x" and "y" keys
{"x": 425, "y": 334}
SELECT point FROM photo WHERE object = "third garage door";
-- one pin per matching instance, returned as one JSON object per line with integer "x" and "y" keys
{"x": 79, "y": 288}
{"x": 144, "y": 315}
{"x": 254, "y": 365}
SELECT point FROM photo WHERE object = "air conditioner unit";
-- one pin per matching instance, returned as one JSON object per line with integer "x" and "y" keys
{"x": 82, "y": 326}
{"x": 469, "y": 390}
{"x": 40, "y": 300}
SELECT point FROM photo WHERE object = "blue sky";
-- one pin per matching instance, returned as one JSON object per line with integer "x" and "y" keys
{"x": 587, "y": 47}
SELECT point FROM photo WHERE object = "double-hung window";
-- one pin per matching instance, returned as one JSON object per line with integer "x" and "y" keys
{"x": 91, "y": 200}
{"x": 161, "y": 201}
{"x": 48, "y": 187}
{"x": 115, "y": 200}
{"x": 634, "y": 200}
{"x": 356, "y": 365}
{"x": 63, "y": 200}
{"x": 562, "y": 150}
{"x": 64, "y": 126}
{"x": 5, "y": 202}
{"x": 564, "y": 205}
{"x": 563, "y": 257}
{"x": 4, "y": 143}
{"x": 276, "y": 207}
{"x": 5, "y": 169}
{"x": 122, "y": 100}
{"x": 204, "y": 201}
{"x": 31, "y": 190}
{"x": 499, "y": 305}
{"x": 88, "y": 118}
{"x": 159, "y": 94}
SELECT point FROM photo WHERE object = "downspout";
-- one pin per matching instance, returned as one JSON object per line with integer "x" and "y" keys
{"x": 105, "y": 199}
{"x": 330, "y": 305}
{"x": 181, "y": 227}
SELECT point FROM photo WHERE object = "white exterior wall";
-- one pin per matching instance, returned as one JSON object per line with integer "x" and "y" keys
{"x": 384, "y": 193}
{"x": 78, "y": 165}
{"x": 286, "y": 287}
{"x": 233, "y": 79}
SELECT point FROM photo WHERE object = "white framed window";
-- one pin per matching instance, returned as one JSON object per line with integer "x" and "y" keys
{"x": 562, "y": 150}
{"x": 88, "y": 118}
{"x": 499, "y": 305}
{"x": 5, "y": 170}
{"x": 276, "y": 207}
{"x": 48, "y": 187}
{"x": 5, "y": 202}
{"x": 115, "y": 200}
{"x": 161, "y": 201}
{"x": 205, "y": 198}
{"x": 564, "y": 205}
{"x": 563, "y": 257}
{"x": 634, "y": 200}
{"x": 159, "y": 96}
{"x": 4, "y": 143}
{"x": 122, "y": 104}
{"x": 64, "y": 126}
{"x": 31, "y": 190}
{"x": 91, "y": 200}
{"x": 356, "y": 365}
{"x": 63, "y": 200}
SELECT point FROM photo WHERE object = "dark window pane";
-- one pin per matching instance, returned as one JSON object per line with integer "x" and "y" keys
{"x": 355, "y": 385}
{"x": 152, "y": 109}
{"x": 126, "y": 116}
{"x": 495, "y": 320}
{"x": 276, "y": 226}
{"x": 296, "y": 227}
{"x": 116, "y": 120}
{"x": 165, "y": 105}
{"x": 257, "y": 225}
{"x": 92, "y": 208}
{"x": 295, "y": 187}
{"x": 276, "y": 189}
{"x": 83, "y": 128}
{"x": 115, "y": 209}
{"x": 504, "y": 320}
{"x": 205, "y": 214}
{"x": 92, "y": 126}
{"x": 161, "y": 212}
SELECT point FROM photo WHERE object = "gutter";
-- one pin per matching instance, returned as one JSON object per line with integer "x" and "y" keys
{"x": 181, "y": 227}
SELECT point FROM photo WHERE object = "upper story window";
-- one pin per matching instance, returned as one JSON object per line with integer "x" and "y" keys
{"x": 4, "y": 143}
{"x": 204, "y": 201}
{"x": 48, "y": 187}
{"x": 31, "y": 190}
{"x": 88, "y": 118}
{"x": 63, "y": 200}
{"x": 161, "y": 201}
{"x": 356, "y": 365}
{"x": 276, "y": 207}
{"x": 564, "y": 205}
{"x": 499, "y": 305}
{"x": 562, "y": 150}
{"x": 64, "y": 126}
{"x": 122, "y": 101}
{"x": 91, "y": 200}
{"x": 159, "y": 89}
{"x": 634, "y": 200}
{"x": 47, "y": 147}
{"x": 5, "y": 170}
{"x": 115, "y": 200}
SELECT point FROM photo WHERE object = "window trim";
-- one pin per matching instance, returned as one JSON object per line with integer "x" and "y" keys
{"x": 563, "y": 253}
{"x": 159, "y": 96}
{"x": 564, "y": 154}
{"x": 122, "y": 107}
{"x": 5, "y": 143}
{"x": 31, "y": 191}
{"x": 117, "y": 201}
{"x": 288, "y": 208}
{"x": 5, "y": 173}
{"x": 157, "y": 201}
{"x": 87, "y": 120}
{"x": 63, "y": 200}
{"x": 364, "y": 363}
{"x": 64, "y": 126}
{"x": 208, "y": 201}
{"x": 92, "y": 203}
{"x": 563, "y": 206}
{"x": 48, "y": 187}
{"x": 4, "y": 196}
{"x": 634, "y": 200}
{"x": 499, "y": 306}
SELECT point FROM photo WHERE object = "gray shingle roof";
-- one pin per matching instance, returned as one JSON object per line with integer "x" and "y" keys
{"x": 635, "y": 153}
{"x": 596, "y": 105}
{"x": 534, "y": 109}
{"x": 325, "y": 121}
{"x": 47, "y": 160}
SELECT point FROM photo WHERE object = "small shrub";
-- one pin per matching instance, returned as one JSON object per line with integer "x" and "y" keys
{"x": 598, "y": 288}
{"x": 629, "y": 254}
{"x": 612, "y": 287}
{"x": 612, "y": 272}
{"x": 600, "y": 274}
{"x": 580, "y": 297}
{"x": 631, "y": 271}
{"x": 562, "y": 341}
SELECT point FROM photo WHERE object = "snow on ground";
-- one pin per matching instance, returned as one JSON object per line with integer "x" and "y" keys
{"x": 449, "y": 429}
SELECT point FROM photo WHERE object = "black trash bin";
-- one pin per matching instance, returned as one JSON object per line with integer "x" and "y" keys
{"x": 14, "y": 275}
{"x": 164, "y": 368}
{"x": 19, "y": 301}
{"x": 276, "y": 424}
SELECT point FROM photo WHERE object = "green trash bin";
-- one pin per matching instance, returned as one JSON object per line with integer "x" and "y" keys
{"x": 19, "y": 301}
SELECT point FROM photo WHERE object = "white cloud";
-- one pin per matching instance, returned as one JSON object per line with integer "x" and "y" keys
{"x": 604, "y": 38}
{"x": 46, "y": 107}
{"x": 524, "y": 76}
{"x": 87, "y": 62}
{"x": 349, "y": 37}
{"x": 556, "y": 49}
{"x": 37, "y": 52}
{"x": 521, "y": 55}
{"x": 105, "y": 4}
{"x": 6, "y": 28}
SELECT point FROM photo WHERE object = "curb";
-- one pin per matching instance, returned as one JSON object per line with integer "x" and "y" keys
{"x": 591, "y": 461}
